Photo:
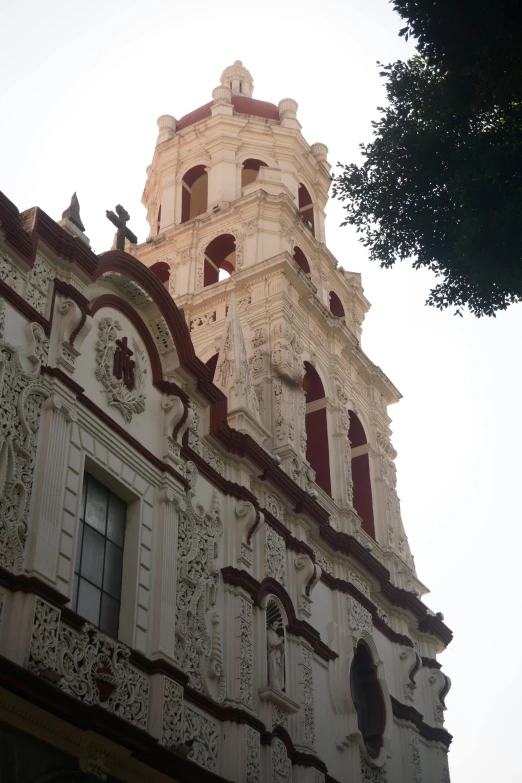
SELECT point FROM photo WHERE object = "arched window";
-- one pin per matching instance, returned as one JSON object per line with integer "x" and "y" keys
{"x": 275, "y": 644}
{"x": 220, "y": 255}
{"x": 367, "y": 699}
{"x": 306, "y": 208}
{"x": 301, "y": 260}
{"x": 250, "y": 170}
{"x": 336, "y": 306}
{"x": 194, "y": 195}
{"x": 362, "y": 485}
{"x": 162, "y": 271}
{"x": 316, "y": 428}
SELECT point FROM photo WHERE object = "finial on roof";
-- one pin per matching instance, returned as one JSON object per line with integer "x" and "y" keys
{"x": 238, "y": 79}
{"x": 72, "y": 213}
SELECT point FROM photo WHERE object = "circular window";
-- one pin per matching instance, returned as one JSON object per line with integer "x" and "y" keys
{"x": 368, "y": 699}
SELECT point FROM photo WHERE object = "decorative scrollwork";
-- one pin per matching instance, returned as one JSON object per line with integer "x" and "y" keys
{"x": 128, "y": 400}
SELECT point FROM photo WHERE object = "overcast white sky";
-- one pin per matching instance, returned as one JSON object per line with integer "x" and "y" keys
{"x": 82, "y": 87}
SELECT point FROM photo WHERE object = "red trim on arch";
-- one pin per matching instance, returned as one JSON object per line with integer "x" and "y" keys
{"x": 112, "y": 300}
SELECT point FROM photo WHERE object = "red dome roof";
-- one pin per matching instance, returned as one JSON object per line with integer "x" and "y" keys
{"x": 241, "y": 104}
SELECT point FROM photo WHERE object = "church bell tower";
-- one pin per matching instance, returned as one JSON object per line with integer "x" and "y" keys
{"x": 236, "y": 201}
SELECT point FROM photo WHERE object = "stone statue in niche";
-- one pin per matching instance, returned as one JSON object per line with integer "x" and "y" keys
{"x": 275, "y": 648}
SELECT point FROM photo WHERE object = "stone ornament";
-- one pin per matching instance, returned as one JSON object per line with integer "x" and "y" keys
{"x": 204, "y": 736}
{"x": 249, "y": 521}
{"x": 172, "y": 714}
{"x": 123, "y": 383}
{"x": 198, "y": 651}
{"x": 308, "y": 575}
{"x": 275, "y": 555}
{"x": 281, "y": 764}
{"x": 252, "y": 760}
{"x": 360, "y": 618}
{"x": 87, "y": 665}
{"x": 21, "y": 398}
{"x": 411, "y": 663}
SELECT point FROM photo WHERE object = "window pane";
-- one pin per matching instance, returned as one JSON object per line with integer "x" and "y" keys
{"x": 92, "y": 556}
{"x": 96, "y": 506}
{"x": 75, "y": 594}
{"x": 89, "y": 602}
{"x": 110, "y": 615}
{"x": 79, "y": 545}
{"x": 116, "y": 520}
{"x": 112, "y": 573}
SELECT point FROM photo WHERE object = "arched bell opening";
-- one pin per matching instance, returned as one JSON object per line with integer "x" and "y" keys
{"x": 250, "y": 170}
{"x": 194, "y": 193}
{"x": 336, "y": 306}
{"x": 362, "y": 485}
{"x": 368, "y": 699}
{"x": 316, "y": 424}
{"x": 162, "y": 271}
{"x": 306, "y": 208}
{"x": 301, "y": 260}
{"x": 220, "y": 259}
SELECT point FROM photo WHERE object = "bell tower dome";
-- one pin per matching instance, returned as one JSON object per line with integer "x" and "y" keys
{"x": 238, "y": 79}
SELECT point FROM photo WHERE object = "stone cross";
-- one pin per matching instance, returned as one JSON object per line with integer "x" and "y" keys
{"x": 120, "y": 221}
{"x": 123, "y": 365}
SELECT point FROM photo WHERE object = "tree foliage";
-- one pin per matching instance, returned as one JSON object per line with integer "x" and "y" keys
{"x": 441, "y": 182}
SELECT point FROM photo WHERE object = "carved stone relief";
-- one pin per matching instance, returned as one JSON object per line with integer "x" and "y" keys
{"x": 370, "y": 774}
{"x": 38, "y": 284}
{"x": 410, "y": 664}
{"x": 197, "y": 650}
{"x": 172, "y": 715}
{"x": 252, "y": 760}
{"x": 359, "y": 617}
{"x": 21, "y": 398}
{"x": 281, "y": 764}
{"x": 415, "y": 758}
{"x": 203, "y": 735}
{"x": 245, "y": 623}
{"x": 128, "y": 398}
{"x": 308, "y": 575}
{"x": 308, "y": 697}
{"x": 88, "y": 665}
{"x": 275, "y": 553}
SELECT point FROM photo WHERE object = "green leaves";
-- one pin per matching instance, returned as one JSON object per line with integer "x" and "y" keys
{"x": 441, "y": 181}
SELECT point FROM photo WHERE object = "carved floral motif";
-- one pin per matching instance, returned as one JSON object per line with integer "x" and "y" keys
{"x": 198, "y": 652}
{"x": 275, "y": 556}
{"x": 172, "y": 716}
{"x": 21, "y": 398}
{"x": 252, "y": 760}
{"x": 127, "y": 400}
{"x": 245, "y": 650}
{"x": 203, "y": 734}
{"x": 360, "y": 618}
{"x": 38, "y": 283}
{"x": 281, "y": 764}
{"x": 308, "y": 697}
{"x": 370, "y": 774}
{"x": 415, "y": 758}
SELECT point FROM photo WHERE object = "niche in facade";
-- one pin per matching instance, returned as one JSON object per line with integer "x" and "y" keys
{"x": 275, "y": 646}
{"x": 336, "y": 306}
{"x": 194, "y": 193}
{"x": 362, "y": 485}
{"x": 220, "y": 259}
{"x": 317, "y": 452}
{"x": 367, "y": 699}
{"x": 250, "y": 170}
{"x": 301, "y": 260}
{"x": 306, "y": 208}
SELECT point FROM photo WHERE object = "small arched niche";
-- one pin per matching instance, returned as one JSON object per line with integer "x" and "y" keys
{"x": 362, "y": 485}
{"x": 368, "y": 699}
{"x": 250, "y": 170}
{"x": 306, "y": 207}
{"x": 301, "y": 260}
{"x": 336, "y": 306}
{"x": 220, "y": 259}
{"x": 317, "y": 452}
{"x": 275, "y": 646}
{"x": 194, "y": 193}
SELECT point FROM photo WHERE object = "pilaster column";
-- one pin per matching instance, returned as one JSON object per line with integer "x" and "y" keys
{"x": 58, "y": 414}
{"x": 163, "y": 633}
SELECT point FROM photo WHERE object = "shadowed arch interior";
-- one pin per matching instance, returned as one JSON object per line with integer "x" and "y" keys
{"x": 162, "y": 271}
{"x": 250, "y": 169}
{"x": 362, "y": 485}
{"x": 301, "y": 260}
{"x": 194, "y": 193}
{"x": 317, "y": 452}
{"x": 336, "y": 306}
{"x": 368, "y": 699}
{"x": 219, "y": 254}
{"x": 306, "y": 207}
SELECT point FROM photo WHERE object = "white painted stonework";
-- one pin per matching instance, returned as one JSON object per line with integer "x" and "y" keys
{"x": 232, "y": 532}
